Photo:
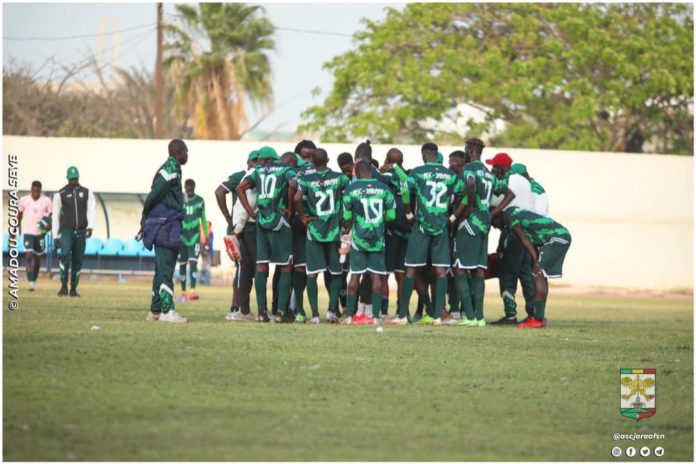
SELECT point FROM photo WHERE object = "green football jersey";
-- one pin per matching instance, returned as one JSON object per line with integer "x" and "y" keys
{"x": 194, "y": 214}
{"x": 483, "y": 191}
{"x": 271, "y": 183}
{"x": 368, "y": 204}
{"x": 539, "y": 229}
{"x": 232, "y": 183}
{"x": 435, "y": 185}
{"x": 301, "y": 172}
{"x": 322, "y": 191}
{"x": 166, "y": 189}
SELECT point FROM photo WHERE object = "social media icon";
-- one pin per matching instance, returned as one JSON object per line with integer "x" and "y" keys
{"x": 616, "y": 452}
{"x": 645, "y": 451}
{"x": 659, "y": 451}
{"x": 630, "y": 451}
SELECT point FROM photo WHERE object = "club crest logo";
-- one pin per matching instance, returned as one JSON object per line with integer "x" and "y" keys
{"x": 637, "y": 392}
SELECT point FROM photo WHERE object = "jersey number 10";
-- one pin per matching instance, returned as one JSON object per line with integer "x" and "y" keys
{"x": 268, "y": 185}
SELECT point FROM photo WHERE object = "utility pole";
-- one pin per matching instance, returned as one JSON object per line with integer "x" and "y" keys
{"x": 159, "y": 78}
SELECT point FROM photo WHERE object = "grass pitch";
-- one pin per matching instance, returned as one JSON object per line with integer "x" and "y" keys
{"x": 215, "y": 390}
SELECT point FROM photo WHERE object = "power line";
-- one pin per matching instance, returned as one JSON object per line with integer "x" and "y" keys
{"x": 308, "y": 31}
{"x": 84, "y": 36}
{"x": 138, "y": 39}
{"x": 290, "y": 29}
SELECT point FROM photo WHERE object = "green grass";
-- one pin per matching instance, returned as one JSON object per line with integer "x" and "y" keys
{"x": 214, "y": 390}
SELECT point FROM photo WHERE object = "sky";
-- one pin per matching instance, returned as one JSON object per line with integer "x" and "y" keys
{"x": 297, "y": 62}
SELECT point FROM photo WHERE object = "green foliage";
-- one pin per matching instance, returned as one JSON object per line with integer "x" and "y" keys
{"x": 220, "y": 53}
{"x": 613, "y": 77}
{"x": 210, "y": 390}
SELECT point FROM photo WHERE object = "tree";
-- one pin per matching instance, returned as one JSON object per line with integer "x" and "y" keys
{"x": 615, "y": 77}
{"x": 220, "y": 58}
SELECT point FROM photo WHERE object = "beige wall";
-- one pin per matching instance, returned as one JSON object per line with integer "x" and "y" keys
{"x": 631, "y": 216}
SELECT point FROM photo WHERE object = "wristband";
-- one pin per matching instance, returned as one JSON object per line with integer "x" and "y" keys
{"x": 409, "y": 216}
{"x": 453, "y": 218}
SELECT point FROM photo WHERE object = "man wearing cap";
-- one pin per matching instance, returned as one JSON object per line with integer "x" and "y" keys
{"x": 275, "y": 186}
{"x": 514, "y": 261}
{"x": 74, "y": 216}
{"x": 160, "y": 226}
{"x": 33, "y": 208}
{"x": 243, "y": 281}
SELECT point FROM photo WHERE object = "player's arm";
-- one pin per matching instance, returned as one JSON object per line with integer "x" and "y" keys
{"x": 509, "y": 195}
{"x": 389, "y": 207}
{"x": 403, "y": 184}
{"x": 91, "y": 214}
{"x": 292, "y": 190}
{"x": 159, "y": 188}
{"x": 204, "y": 225}
{"x": 297, "y": 201}
{"x": 410, "y": 181}
{"x": 20, "y": 215}
{"x": 246, "y": 184}
{"x": 221, "y": 198}
{"x": 347, "y": 212}
{"x": 55, "y": 220}
{"x": 465, "y": 207}
{"x": 517, "y": 230}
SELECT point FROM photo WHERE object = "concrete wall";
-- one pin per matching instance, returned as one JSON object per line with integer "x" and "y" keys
{"x": 631, "y": 216}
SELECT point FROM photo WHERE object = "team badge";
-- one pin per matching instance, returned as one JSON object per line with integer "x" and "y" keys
{"x": 638, "y": 388}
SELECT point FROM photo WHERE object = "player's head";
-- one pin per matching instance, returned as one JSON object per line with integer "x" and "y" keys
{"x": 320, "y": 158}
{"x": 267, "y": 155}
{"x": 457, "y": 160}
{"x": 190, "y": 187}
{"x": 252, "y": 159}
{"x": 363, "y": 151}
{"x": 394, "y": 156}
{"x": 345, "y": 163}
{"x": 500, "y": 164}
{"x": 36, "y": 189}
{"x": 73, "y": 176}
{"x": 179, "y": 151}
{"x": 363, "y": 169}
{"x": 500, "y": 220}
{"x": 429, "y": 152}
{"x": 473, "y": 147}
{"x": 289, "y": 158}
{"x": 304, "y": 149}
{"x": 521, "y": 169}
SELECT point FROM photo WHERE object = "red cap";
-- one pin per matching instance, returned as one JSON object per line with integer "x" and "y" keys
{"x": 501, "y": 159}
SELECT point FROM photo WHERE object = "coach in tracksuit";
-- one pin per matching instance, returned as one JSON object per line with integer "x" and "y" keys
{"x": 74, "y": 215}
{"x": 160, "y": 226}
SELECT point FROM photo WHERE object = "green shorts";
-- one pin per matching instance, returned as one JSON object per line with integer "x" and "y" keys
{"x": 34, "y": 244}
{"x": 274, "y": 246}
{"x": 299, "y": 237}
{"x": 395, "y": 253}
{"x": 470, "y": 248}
{"x": 367, "y": 261}
{"x": 189, "y": 253}
{"x": 552, "y": 255}
{"x": 323, "y": 256}
{"x": 427, "y": 249}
